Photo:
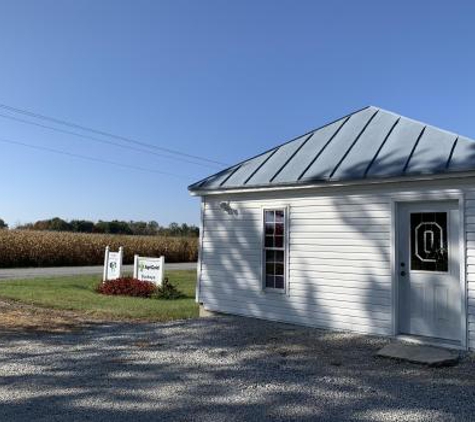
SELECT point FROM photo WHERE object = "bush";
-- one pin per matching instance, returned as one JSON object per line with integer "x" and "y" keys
{"x": 127, "y": 286}
{"x": 168, "y": 291}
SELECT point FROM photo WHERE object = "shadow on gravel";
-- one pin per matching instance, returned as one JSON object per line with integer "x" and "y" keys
{"x": 224, "y": 368}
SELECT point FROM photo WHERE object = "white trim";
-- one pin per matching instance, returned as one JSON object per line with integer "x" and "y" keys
{"x": 273, "y": 207}
{"x": 200, "y": 251}
{"x": 443, "y": 195}
{"x": 332, "y": 184}
{"x": 463, "y": 271}
{"x": 433, "y": 195}
{"x": 394, "y": 256}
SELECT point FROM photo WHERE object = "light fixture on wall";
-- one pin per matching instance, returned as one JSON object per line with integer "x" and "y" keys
{"x": 226, "y": 207}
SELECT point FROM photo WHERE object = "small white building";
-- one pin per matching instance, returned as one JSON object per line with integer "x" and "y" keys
{"x": 366, "y": 224}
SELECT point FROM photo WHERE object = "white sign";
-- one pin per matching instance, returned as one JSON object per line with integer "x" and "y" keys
{"x": 149, "y": 269}
{"x": 112, "y": 264}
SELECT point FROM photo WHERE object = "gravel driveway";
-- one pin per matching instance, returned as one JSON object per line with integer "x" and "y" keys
{"x": 221, "y": 369}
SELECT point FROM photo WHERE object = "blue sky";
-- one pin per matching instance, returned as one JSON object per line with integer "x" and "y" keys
{"x": 219, "y": 79}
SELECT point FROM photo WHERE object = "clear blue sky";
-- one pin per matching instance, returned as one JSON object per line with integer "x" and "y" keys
{"x": 219, "y": 79}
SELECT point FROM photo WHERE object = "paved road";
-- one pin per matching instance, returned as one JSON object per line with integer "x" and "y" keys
{"x": 17, "y": 273}
{"x": 221, "y": 370}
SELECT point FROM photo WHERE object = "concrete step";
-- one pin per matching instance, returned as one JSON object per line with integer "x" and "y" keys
{"x": 426, "y": 355}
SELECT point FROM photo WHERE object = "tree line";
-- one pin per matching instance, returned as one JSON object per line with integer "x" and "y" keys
{"x": 143, "y": 228}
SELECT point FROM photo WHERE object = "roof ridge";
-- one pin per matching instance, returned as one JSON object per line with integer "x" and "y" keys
{"x": 428, "y": 125}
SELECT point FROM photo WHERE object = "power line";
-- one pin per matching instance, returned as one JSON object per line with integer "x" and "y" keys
{"x": 104, "y": 141}
{"x": 86, "y": 157}
{"x": 107, "y": 134}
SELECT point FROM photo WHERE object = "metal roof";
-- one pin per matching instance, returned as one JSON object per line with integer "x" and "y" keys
{"x": 367, "y": 144}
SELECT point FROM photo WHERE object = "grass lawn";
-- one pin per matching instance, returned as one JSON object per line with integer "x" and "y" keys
{"x": 77, "y": 294}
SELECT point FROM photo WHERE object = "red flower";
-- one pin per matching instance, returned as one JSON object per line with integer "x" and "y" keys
{"x": 127, "y": 286}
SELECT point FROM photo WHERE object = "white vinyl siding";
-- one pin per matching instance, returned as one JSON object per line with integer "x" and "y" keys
{"x": 339, "y": 255}
{"x": 470, "y": 261}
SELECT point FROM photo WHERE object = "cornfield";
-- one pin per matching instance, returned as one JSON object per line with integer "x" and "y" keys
{"x": 25, "y": 248}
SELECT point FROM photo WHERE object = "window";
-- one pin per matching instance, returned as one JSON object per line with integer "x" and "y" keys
{"x": 429, "y": 248}
{"x": 274, "y": 249}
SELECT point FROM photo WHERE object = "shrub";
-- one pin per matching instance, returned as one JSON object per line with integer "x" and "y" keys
{"x": 127, "y": 286}
{"x": 168, "y": 291}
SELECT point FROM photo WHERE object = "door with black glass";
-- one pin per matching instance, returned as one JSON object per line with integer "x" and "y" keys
{"x": 429, "y": 270}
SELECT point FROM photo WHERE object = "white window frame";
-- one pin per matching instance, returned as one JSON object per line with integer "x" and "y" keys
{"x": 285, "y": 249}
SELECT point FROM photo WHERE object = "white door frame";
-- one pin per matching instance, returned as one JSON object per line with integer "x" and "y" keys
{"x": 443, "y": 195}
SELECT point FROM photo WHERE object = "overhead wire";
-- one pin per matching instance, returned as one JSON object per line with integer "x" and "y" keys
{"x": 86, "y": 157}
{"x": 105, "y": 141}
{"x": 106, "y": 134}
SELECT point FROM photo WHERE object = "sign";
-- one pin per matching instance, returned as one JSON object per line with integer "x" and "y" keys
{"x": 149, "y": 269}
{"x": 112, "y": 264}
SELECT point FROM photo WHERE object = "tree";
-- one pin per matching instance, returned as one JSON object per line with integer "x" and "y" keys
{"x": 153, "y": 227}
{"x": 113, "y": 227}
{"x": 174, "y": 229}
{"x": 59, "y": 225}
{"x": 3, "y": 225}
{"x": 138, "y": 227}
{"x": 82, "y": 226}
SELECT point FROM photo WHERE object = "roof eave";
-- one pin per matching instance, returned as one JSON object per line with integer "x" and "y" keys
{"x": 322, "y": 184}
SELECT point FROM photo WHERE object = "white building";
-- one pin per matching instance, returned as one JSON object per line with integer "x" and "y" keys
{"x": 366, "y": 224}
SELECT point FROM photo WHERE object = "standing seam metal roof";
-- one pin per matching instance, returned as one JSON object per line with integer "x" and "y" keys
{"x": 369, "y": 143}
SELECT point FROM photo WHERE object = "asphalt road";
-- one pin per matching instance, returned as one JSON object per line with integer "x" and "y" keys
{"x": 18, "y": 273}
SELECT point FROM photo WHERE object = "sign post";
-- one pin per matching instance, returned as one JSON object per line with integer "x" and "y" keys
{"x": 149, "y": 269}
{"x": 112, "y": 264}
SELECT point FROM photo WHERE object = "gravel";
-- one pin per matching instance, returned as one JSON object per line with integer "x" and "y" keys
{"x": 221, "y": 369}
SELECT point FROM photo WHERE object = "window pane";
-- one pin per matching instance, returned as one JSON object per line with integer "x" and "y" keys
{"x": 269, "y": 228}
{"x": 279, "y": 269}
{"x": 279, "y": 256}
{"x": 279, "y": 282}
{"x": 269, "y": 216}
{"x": 279, "y": 242}
{"x": 270, "y": 281}
{"x": 269, "y": 241}
{"x": 279, "y": 229}
{"x": 279, "y": 216}
{"x": 429, "y": 246}
{"x": 270, "y": 269}
{"x": 270, "y": 256}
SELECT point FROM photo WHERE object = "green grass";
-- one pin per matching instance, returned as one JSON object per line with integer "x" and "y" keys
{"x": 77, "y": 294}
